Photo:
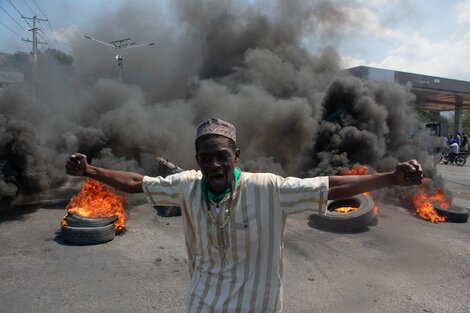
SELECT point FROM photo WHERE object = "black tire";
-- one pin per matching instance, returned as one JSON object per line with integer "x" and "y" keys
{"x": 76, "y": 220}
{"x": 88, "y": 235}
{"x": 454, "y": 214}
{"x": 351, "y": 221}
{"x": 460, "y": 160}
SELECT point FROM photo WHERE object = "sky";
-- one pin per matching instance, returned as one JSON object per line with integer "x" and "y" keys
{"x": 426, "y": 37}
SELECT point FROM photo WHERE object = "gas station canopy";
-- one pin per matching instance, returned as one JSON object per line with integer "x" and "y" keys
{"x": 432, "y": 93}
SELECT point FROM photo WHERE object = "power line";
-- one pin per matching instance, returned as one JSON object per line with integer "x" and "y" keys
{"x": 39, "y": 8}
{"x": 12, "y": 18}
{"x": 6, "y": 26}
{"x": 50, "y": 27}
{"x": 21, "y": 14}
{"x": 11, "y": 29}
{"x": 44, "y": 36}
{"x": 52, "y": 32}
{"x": 29, "y": 7}
{"x": 15, "y": 8}
{"x": 34, "y": 31}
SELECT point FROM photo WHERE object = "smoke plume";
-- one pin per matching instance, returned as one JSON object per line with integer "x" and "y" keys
{"x": 297, "y": 112}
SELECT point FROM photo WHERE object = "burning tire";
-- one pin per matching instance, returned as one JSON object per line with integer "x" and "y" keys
{"x": 88, "y": 235}
{"x": 76, "y": 220}
{"x": 349, "y": 221}
{"x": 454, "y": 214}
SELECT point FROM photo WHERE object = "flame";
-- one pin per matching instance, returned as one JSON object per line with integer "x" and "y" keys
{"x": 356, "y": 170}
{"x": 424, "y": 202}
{"x": 97, "y": 200}
{"x": 359, "y": 170}
{"x": 345, "y": 209}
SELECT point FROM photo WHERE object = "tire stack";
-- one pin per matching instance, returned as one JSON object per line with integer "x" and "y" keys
{"x": 82, "y": 230}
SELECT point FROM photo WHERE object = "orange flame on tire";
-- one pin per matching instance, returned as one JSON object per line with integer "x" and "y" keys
{"x": 360, "y": 170}
{"x": 97, "y": 200}
{"x": 424, "y": 202}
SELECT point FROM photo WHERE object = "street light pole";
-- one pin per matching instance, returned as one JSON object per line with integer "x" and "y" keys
{"x": 120, "y": 45}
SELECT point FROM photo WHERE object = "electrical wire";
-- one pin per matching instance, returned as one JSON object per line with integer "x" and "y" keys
{"x": 6, "y": 26}
{"x": 50, "y": 27}
{"x": 21, "y": 14}
{"x": 12, "y": 18}
{"x": 15, "y": 8}
{"x": 44, "y": 36}
{"x": 29, "y": 7}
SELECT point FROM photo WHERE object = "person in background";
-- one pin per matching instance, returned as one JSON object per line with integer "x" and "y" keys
{"x": 458, "y": 138}
{"x": 464, "y": 144}
{"x": 454, "y": 150}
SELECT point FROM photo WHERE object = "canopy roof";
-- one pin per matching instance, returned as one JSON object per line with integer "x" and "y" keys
{"x": 432, "y": 92}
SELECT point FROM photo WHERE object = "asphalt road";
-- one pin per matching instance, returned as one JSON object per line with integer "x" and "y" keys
{"x": 401, "y": 264}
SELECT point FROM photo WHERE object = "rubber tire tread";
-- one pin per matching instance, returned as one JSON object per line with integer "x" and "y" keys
{"x": 88, "y": 235}
{"x": 76, "y": 220}
{"x": 351, "y": 221}
{"x": 460, "y": 160}
{"x": 454, "y": 214}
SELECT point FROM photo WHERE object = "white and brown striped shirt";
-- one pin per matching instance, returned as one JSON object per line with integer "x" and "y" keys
{"x": 249, "y": 278}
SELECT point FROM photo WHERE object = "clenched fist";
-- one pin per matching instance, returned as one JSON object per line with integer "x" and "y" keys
{"x": 408, "y": 173}
{"x": 76, "y": 164}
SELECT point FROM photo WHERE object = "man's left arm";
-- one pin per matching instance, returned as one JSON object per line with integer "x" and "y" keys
{"x": 405, "y": 174}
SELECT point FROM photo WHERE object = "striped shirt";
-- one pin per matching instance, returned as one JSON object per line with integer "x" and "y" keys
{"x": 247, "y": 277}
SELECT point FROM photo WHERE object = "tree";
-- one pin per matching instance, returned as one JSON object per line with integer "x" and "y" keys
{"x": 19, "y": 61}
{"x": 60, "y": 56}
{"x": 466, "y": 121}
{"x": 430, "y": 116}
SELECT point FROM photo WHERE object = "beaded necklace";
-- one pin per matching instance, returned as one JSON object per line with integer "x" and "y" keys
{"x": 221, "y": 227}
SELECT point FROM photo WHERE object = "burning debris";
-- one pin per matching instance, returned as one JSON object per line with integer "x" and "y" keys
{"x": 425, "y": 201}
{"x": 432, "y": 203}
{"x": 91, "y": 212}
{"x": 97, "y": 200}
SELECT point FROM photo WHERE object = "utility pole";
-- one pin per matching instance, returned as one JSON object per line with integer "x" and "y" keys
{"x": 35, "y": 41}
{"x": 120, "y": 45}
{"x": 34, "y": 50}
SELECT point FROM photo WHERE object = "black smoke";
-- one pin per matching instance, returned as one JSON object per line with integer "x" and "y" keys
{"x": 297, "y": 112}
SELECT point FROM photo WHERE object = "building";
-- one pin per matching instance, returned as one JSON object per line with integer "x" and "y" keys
{"x": 11, "y": 78}
{"x": 432, "y": 93}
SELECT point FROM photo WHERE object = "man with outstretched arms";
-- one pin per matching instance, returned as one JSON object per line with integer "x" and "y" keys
{"x": 234, "y": 221}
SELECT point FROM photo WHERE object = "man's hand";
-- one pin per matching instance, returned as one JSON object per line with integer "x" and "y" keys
{"x": 408, "y": 173}
{"x": 76, "y": 164}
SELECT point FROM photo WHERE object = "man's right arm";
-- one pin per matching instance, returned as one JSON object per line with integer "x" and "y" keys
{"x": 77, "y": 165}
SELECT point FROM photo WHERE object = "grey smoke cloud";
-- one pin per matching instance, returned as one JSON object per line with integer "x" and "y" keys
{"x": 296, "y": 112}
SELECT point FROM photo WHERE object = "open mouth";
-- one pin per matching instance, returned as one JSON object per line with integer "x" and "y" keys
{"x": 217, "y": 179}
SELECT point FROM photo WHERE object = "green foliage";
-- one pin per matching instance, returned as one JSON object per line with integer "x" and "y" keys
{"x": 427, "y": 116}
{"x": 466, "y": 121}
{"x": 60, "y": 56}
{"x": 19, "y": 60}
